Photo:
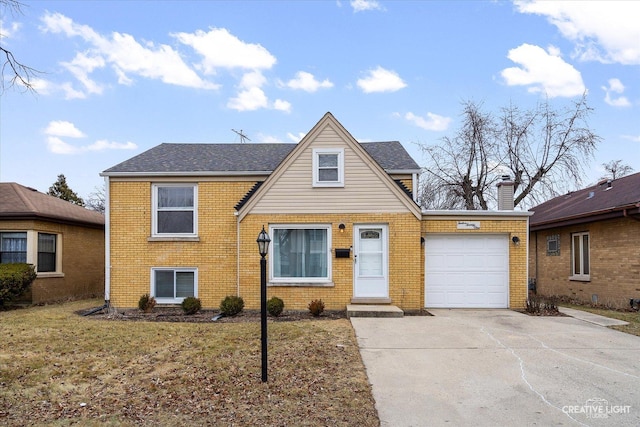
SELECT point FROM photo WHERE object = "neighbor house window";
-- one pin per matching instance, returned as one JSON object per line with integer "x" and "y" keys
{"x": 46, "y": 252}
{"x": 580, "y": 256}
{"x": 553, "y": 245}
{"x": 328, "y": 167}
{"x": 13, "y": 247}
{"x": 175, "y": 210}
{"x": 172, "y": 285}
{"x": 300, "y": 254}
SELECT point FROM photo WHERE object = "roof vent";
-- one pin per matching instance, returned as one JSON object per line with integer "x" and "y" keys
{"x": 591, "y": 194}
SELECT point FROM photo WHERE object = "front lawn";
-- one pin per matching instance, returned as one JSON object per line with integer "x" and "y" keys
{"x": 633, "y": 317}
{"x": 59, "y": 368}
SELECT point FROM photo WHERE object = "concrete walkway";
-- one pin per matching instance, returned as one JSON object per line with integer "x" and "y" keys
{"x": 592, "y": 318}
{"x": 499, "y": 367}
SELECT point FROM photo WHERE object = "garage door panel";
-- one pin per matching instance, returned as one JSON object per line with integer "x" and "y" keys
{"x": 467, "y": 271}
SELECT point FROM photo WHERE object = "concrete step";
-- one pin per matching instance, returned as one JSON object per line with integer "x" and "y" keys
{"x": 370, "y": 310}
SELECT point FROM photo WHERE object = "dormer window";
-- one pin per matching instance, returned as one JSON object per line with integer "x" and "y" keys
{"x": 328, "y": 167}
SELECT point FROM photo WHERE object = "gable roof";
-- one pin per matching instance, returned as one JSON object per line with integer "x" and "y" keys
{"x": 241, "y": 159}
{"x": 359, "y": 149}
{"x": 605, "y": 200}
{"x": 18, "y": 202}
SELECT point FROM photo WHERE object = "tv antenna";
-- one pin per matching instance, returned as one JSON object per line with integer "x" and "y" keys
{"x": 242, "y": 136}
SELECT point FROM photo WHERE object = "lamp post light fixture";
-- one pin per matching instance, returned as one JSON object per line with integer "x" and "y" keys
{"x": 263, "y": 247}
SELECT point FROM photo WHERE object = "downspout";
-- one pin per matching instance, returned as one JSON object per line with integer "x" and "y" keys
{"x": 414, "y": 186}
{"x": 107, "y": 243}
{"x": 237, "y": 253}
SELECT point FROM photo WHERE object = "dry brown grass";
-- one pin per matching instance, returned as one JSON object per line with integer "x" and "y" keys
{"x": 58, "y": 368}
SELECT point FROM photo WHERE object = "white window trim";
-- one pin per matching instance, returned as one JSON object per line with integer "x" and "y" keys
{"x": 154, "y": 210}
{"x": 152, "y": 292}
{"x": 580, "y": 277}
{"x": 58, "y": 270}
{"x": 316, "y": 165}
{"x": 301, "y": 281}
{"x": 32, "y": 251}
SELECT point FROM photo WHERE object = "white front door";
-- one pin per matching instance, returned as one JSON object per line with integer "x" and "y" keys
{"x": 370, "y": 257}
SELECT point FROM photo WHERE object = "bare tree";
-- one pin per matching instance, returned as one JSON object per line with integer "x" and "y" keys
{"x": 616, "y": 169}
{"x": 96, "y": 200}
{"x": 544, "y": 150}
{"x": 18, "y": 73}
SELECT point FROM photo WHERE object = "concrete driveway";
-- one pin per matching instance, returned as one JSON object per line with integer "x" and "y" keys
{"x": 499, "y": 367}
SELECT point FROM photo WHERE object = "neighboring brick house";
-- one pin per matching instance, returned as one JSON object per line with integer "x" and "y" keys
{"x": 63, "y": 241}
{"x": 585, "y": 244}
{"x": 182, "y": 219}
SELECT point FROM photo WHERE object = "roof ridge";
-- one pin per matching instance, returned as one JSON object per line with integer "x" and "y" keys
{"x": 19, "y": 190}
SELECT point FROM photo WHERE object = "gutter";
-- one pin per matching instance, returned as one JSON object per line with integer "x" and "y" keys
{"x": 611, "y": 213}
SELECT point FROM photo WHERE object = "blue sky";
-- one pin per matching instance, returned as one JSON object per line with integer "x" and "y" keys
{"x": 120, "y": 77}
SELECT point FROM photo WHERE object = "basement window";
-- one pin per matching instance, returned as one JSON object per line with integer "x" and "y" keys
{"x": 553, "y": 245}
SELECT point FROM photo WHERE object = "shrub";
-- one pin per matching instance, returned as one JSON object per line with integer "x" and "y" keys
{"x": 316, "y": 307}
{"x": 15, "y": 280}
{"x": 231, "y": 305}
{"x": 146, "y": 303}
{"x": 191, "y": 305}
{"x": 275, "y": 306}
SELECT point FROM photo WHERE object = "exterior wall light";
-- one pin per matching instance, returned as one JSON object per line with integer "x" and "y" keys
{"x": 341, "y": 227}
{"x": 515, "y": 240}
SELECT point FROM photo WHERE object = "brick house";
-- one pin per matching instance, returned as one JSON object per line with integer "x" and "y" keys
{"x": 63, "y": 241}
{"x": 183, "y": 219}
{"x": 584, "y": 244}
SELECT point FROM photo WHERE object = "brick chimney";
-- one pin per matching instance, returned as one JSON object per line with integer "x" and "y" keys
{"x": 505, "y": 193}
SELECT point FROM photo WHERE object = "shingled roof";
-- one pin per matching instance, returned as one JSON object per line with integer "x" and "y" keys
{"x": 605, "y": 200}
{"x": 220, "y": 159}
{"x": 18, "y": 202}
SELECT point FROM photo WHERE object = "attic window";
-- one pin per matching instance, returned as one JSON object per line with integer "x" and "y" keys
{"x": 553, "y": 245}
{"x": 328, "y": 167}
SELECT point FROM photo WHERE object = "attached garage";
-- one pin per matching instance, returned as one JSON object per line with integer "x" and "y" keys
{"x": 467, "y": 270}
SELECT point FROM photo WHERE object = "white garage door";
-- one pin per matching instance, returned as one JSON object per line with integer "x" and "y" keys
{"x": 467, "y": 271}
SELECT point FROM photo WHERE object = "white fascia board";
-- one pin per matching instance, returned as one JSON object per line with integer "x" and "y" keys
{"x": 444, "y": 214}
{"x": 193, "y": 173}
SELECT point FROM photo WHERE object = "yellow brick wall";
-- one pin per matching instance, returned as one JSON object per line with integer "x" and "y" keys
{"x": 405, "y": 265}
{"x": 614, "y": 259}
{"x": 82, "y": 261}
{"x": 133, "y": 256}
{"x": 517, "y": 254}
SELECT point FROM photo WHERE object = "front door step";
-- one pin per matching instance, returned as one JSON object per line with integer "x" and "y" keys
{"x": 368, "y": 310}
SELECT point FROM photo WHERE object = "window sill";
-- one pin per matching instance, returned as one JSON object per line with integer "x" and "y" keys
{"x": 302, "y": 284}
{"x": 580, "y": 278}
{"x": 173, "y": 239}
{"x": 48, "y": 275}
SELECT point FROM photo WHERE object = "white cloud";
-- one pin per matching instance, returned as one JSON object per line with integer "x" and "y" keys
{"x": 634, "y": 138}
{"x": 58, "y": 146}
{"x": 58, "y": 129}
{"x": 282, "y": 105}
{"x": 103, "y": 144}
{"x": 605, "y": 31}
{"x": 543, "y": 72}
{"x": 249, "y": 100}
{"x": 220, "y": 49}
{"x": 615, "y": 87}
{"x": 307, "y": 82}
{"x": 64, "y": 129}
{"x": 381, "y": 80}
{"x": 9, "y": 31}
{"x": 124, "y": 54}
{"x": 296, "y": 138}
{"x": 432, "y": 122}
{"x": 364, "y": 5}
